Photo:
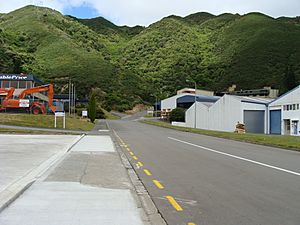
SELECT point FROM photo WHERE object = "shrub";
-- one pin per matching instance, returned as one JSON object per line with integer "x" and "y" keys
{"x": 177, "y": 115}
{"x": 92, "y": 108}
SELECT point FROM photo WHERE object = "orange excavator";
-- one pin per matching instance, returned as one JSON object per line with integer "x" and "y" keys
{"x": 35, "y": 107}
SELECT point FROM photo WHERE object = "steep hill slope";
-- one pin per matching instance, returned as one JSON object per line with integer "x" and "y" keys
{"x": 251, "y": 51}
{"x": 58, "y": 48}
{"x": 128, "y": 64}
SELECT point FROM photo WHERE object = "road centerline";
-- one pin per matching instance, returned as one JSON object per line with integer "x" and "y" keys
{"x": 237, "y": 157}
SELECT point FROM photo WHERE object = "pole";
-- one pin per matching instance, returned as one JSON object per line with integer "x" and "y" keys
{"x": 195, "y": 105}
{"x": 69, "y": 96}
{"x": 74, "y": 101}
{"x": 155, "y": 106}
{"x": 72, "y": 92}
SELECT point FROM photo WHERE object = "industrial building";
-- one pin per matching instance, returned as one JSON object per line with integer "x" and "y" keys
{"x": 19, "y": 81}
{"x": 184, "y": 100}
{"x": 284, "y": 114}
{"x": 224, "y": 114}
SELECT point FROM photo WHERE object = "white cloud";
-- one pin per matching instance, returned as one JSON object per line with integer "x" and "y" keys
{"x": 144, "y": 12}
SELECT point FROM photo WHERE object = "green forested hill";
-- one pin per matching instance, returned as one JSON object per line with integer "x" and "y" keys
{"x": 131, "y": 64}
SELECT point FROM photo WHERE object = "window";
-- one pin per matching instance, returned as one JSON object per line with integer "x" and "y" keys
{"x": 14, "y": 83}
{"x": 22, "y": 84}
{"x": 294, "y": 106}
{"x": 29, "y": 84}
{"x": 5, "y": 84}
{"x": 297, "y": 106}
{"x": 288, "y": 107}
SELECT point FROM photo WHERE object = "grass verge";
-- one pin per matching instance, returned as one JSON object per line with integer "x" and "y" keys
{"x": 45, "y": 121}
{"x": 19, "y": 131}
{"x": 281, "y": 141}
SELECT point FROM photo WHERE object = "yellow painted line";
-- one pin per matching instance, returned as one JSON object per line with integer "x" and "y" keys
{"x": 136, "y": 158}
{"x": 140, "y": 164}
{"x": 147, "y": 172}
{"x": 131, "y": 153}
{"x": 128, "y": 149}
{"x": 158, "y": 184}
{"x": 174, "y": 203}
{"x": 191, "y": 224}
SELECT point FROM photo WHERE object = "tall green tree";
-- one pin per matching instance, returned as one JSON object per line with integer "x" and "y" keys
{"x": 92, "y": 107}
{"x": 290, "y": 78}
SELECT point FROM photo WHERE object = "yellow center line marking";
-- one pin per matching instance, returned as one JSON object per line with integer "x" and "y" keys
{"x": 140, "y": 164}
{"x": 158, "y": 184}
{"x": 131, "y": 153}
{"x": 191, "y": 224}
{"x": 134, "y": 157}
{"x": 174, "y": 203}
{"x": 147, "y": 172}
{"x": 128, "y": 149}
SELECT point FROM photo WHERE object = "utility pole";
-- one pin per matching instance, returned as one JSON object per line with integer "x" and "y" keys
{"x": 69, "y": 96}
{"x": 72, "y": 93}
{"x": 74, "y": 101}
{"x": 195, "y": 102}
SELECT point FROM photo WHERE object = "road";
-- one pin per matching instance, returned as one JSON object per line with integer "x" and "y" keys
{"x": 195, "y": 179}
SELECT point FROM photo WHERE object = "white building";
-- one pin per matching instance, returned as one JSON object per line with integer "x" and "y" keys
{"x": 185, "y": 100}
{"x": 224, "y": 114}
{"x": 284, "y": 114}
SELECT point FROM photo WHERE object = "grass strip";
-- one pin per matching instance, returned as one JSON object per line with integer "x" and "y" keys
{"x": 281, "y": 141}
{"x": 45, "y": 121}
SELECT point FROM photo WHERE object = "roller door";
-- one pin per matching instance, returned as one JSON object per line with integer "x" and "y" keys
{"x": 275, "y": 121}
{"x": 254, "y": 121}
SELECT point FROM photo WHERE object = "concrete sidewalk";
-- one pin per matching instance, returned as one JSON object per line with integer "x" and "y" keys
{"x": 89, "y": 186}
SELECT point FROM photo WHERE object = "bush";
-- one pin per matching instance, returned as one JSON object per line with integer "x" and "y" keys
{"x": 99, "y": 113}
{"x": 92, "y": 108}
{"x": 177, "y": 115}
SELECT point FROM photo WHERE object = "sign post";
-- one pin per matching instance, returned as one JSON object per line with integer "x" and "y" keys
{"x": 60, "y": 114}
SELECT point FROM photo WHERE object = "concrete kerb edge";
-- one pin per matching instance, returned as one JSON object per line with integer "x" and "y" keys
{"x": 17, "y": 188}
{"x": 148, "y": 206}
{"x": 12, "y": 198}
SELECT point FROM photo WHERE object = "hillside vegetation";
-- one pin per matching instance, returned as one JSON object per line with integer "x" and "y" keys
{"x": 130, "y": 65}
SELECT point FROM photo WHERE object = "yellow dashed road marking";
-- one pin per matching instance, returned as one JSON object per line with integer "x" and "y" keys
{"x": 136, "y": 158}
{"x": 147, "y": 172}
{"x": 140, "y": 164}
{"x": 191, "y": 224}
{"x": 128, "y": 149}
{"x": 131, "y": 153}
{"x": 174, "y": 203}
{"x": 158, "y": 184}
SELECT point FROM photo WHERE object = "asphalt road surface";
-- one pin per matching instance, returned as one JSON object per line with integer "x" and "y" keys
{"x": 195, "y": 179}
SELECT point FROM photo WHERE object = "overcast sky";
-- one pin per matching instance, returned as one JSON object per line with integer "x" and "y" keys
{"x": 145, "y": 12}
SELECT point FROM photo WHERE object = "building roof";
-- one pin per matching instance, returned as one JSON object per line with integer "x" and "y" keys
{"x": 285, "y": 94}
{"x": 255, "y": 100}
{"x": 188, "y": 98}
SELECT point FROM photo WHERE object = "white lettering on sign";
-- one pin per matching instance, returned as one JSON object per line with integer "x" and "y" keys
{"x": 12, "y": 77}
{"x": 24, "y": 103}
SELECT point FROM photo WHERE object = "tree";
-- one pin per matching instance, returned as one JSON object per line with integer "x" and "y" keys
{"x": 290, "y": 78}
{"x": 92, "y": 107}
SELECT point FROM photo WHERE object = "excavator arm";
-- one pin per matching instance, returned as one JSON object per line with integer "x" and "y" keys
{"x": 48, "y": 88}
{"x": 9, "y": 92}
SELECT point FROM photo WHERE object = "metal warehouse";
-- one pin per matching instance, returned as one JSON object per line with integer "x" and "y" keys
{"x": 284, "y": 114}
{"x": 185, "y": 101}
{"x": 224, "y": 114}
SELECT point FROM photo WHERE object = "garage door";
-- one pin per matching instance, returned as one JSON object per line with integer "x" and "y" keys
{"x": 275, "y": 121}
{"x": 254, "y": 121}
